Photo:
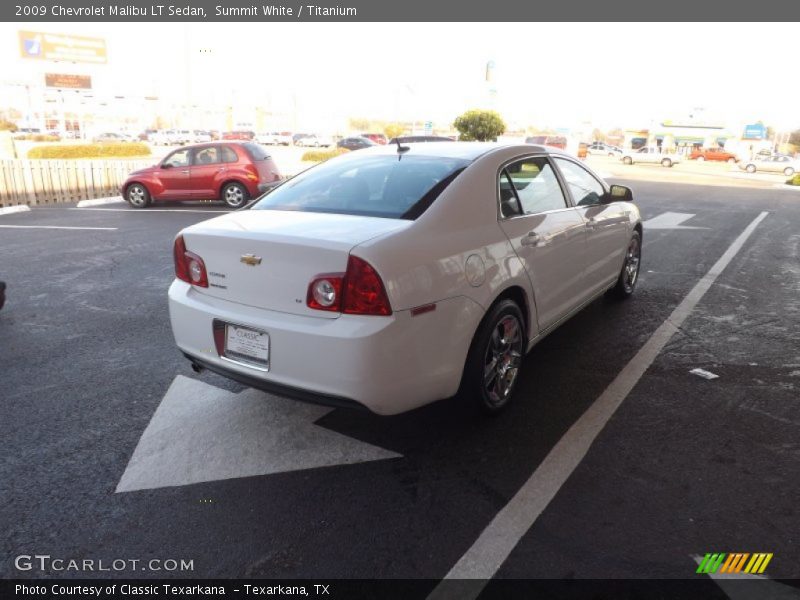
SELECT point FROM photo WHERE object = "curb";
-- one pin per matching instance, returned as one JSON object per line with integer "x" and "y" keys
{"x": 14, "y": 209}
{"x": 786, "y": 186}
{"x": 100, "y": 201}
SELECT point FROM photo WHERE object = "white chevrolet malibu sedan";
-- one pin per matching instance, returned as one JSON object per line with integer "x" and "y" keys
{"x": 395, "y": 276}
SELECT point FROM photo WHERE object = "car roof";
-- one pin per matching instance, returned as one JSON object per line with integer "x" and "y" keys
{"x": 464, "y": 150}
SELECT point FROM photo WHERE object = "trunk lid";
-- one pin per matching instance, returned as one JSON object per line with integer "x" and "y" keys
{"x": 293, "y": 247}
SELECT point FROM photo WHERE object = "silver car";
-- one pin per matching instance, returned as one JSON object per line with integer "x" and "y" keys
{"x": 771, "y": 164}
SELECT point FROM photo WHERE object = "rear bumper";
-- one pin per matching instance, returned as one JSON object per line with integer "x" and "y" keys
{"x": 386, "y": 364}
{"x": 267, "y": 186}
{"x": 275, "y": 388}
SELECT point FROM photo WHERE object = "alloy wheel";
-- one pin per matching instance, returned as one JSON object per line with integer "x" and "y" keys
{"x": 234, "y": 196}
{"x": 632, "y": 259}
{"x": 137, "y": 195}
{"x": 502, "y": 359}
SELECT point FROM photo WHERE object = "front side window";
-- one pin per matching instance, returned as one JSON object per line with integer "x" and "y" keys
{"x": 179, "y": 158}
{"x": 585, "y": 189}
{"x": 535, "y": 185}
{"x": 391, "y": 186}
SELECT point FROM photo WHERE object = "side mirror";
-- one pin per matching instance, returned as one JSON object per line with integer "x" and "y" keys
{"x": 166, "y": 166}
{"x": 619, "y": 193}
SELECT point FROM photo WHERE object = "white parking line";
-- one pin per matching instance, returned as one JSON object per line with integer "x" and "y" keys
{"x": 152, "y": 210}
{"x": 57, "y": 227}
{"x": 14, "y": 209}
{"x": 492, "y": 548}
{"x": 100, "y": 201}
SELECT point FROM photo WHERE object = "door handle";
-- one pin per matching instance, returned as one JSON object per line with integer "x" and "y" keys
{"x": 592, "y": 224}
{"x": 185, "y": 171}
{"x": 531, "y": 239}
{"x": 222, "y": 169}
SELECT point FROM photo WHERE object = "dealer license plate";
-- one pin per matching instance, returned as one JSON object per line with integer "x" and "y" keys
{"x": 247, "y": 345}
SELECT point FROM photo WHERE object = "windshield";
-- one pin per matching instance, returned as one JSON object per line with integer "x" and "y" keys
{"x": 391, "y": 186}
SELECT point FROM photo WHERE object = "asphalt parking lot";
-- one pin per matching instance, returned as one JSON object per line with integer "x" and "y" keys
{"x": 94, "y": 395}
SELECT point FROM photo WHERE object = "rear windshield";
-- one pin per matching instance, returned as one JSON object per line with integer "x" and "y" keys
{"x": 391, "y": 186}
{"x": 256, "y": 152}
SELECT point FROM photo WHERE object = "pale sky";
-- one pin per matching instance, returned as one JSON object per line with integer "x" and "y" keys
{"x": 546, "y": 74}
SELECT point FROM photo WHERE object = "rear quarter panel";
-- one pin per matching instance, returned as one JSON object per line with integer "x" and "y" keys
{"x": 455, "y": 249}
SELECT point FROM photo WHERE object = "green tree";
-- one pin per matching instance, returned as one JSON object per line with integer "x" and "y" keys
{"x": 598, "y": 135}
{"x": 359, "y": 124}
{"x": 393, "y": 130}
{"x": 479, "y": 125}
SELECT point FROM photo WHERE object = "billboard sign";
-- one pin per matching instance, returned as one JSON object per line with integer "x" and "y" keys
{"x": 757, "y": 131}
{"x": 64, "y": 48}
{"x": 69, "y": 82}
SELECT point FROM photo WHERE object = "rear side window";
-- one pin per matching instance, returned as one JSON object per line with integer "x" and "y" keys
{"x": 391, "y": 186}
{"x": 228, "y": 154}
{"x": 256, "y": 152}
{"x": 206, "y": 156}
{"x": 535, "y": 184}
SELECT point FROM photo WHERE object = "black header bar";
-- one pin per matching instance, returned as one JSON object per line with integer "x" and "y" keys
{"x": 199, "y": 11}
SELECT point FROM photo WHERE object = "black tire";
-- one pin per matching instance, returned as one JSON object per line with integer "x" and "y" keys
{"x": 137, "y": 195}
{"x": 788, "y": 171}
{"x": 750, "y": 168}
{"x": 701, "y": 159}
{"x": 731, "y": 161}
{"x": 2, "y": 293}
{"x": 627, "y": 280}
{"x": 627, "y": 160}
{"x": 491, "y": 397}
{"x": 666, "y": 163}
{"x": 234, "y": 195}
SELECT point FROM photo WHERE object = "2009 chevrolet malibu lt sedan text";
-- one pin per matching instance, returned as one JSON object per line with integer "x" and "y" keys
{"x": 399, "y": 275}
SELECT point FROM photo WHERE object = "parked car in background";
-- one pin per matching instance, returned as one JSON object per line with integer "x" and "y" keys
{"x": 111, "y": 136}
{"x": 605, "y": 149}
{"x": 348, "y": 249}
{"x": 171, "y": 137}
{"x": 298, "y": 136}
{"x": 275, "y": 138}
{"x": 355, "y": 143}
{"x": 200, "y": 136}
{"x": 415, "y": 139}
{"x": 650, "y": 154}
{"x": 315, "y": 141}
{"x": 239, "y": 134}
{"x": 233, "y": 172}
{"x": 22, "y": 132}
{"x": 779, "y": 163}
{"x": 145, "y": 135}
{"x": 378, "y": 138}
{"x": 556, "y": 141}
{"x": 719, "y": 154}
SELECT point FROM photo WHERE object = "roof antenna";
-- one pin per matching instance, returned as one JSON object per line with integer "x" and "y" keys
{"x": 401, "y": 149}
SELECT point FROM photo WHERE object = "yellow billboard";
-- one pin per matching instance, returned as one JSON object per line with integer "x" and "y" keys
{"x": 64, "y": 48}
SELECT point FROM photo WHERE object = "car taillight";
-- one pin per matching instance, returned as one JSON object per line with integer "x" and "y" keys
{"x": 252, "y": 172}
{"x": 359, "y": 291}
{"x": 325, "y": 292}
{"x": 189, "y": 267}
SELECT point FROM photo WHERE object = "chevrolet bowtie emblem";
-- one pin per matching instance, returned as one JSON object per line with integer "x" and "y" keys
{"x": 251, "y": 259}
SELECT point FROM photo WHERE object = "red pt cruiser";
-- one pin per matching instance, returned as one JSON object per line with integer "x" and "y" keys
{"x": 232, "y": 172}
